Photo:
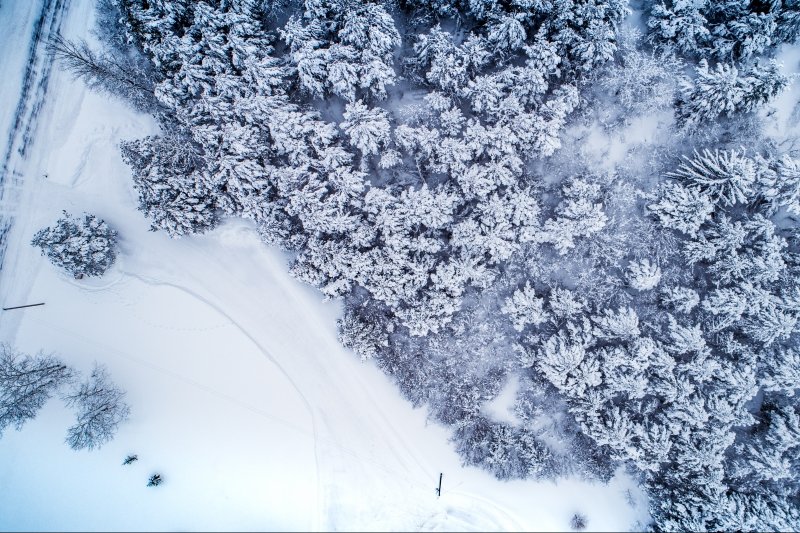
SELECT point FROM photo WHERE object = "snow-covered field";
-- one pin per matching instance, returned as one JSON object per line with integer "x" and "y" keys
{"x": 241, "y": 396}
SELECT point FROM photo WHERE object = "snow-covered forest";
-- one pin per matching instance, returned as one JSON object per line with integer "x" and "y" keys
{"x": 587, "y": 199}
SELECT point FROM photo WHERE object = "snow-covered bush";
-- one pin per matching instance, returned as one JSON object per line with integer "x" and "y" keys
{"x": 578, "y": 522}
{"x": 83, "y": 247}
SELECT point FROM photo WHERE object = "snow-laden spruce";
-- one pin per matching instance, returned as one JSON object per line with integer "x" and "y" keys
{"x": 411, "y": 155}
{"x": 84, "y": 246}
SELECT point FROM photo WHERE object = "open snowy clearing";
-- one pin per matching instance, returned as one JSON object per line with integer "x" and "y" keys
{"x": 242, "y": 397}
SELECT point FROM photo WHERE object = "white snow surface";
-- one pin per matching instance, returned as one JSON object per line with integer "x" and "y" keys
{"x": 501, "y": 407}
{"x": 242, "y": 397}
{"x": 782, "y": 116}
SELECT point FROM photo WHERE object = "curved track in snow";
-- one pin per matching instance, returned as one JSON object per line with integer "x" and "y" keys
{"x": 358, "y": 449}
{"x": 268, "y": 354}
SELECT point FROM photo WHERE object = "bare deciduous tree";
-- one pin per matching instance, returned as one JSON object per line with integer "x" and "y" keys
{"x": 26, "y": 383}
{"x": 126, "y": 77}
{"x": 100, "y": 410}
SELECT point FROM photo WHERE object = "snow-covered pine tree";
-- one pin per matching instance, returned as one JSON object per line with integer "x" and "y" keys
{"x": 679, "y": 24}
{"x": 506, "y": 33}
{"x": 781, "y": 370}
{"x": 368, "y": 129}
{"x": 784, "y": 187}
{"x": 565, "y": 304}
{"x": 770, "y": 324}
{"x": 682, "y": 208}
{"x": 580, "y": 214}
{"x": 86, "y": 247}
{"x": 725, "y": 90}
{"x": 682, "y": 299}
{"x": 616, "y": 324}
{"x": 728, "y": 177}
{"x": 643, "y": 275}
{"x": 167, "y": 174}
{"x": 524, "y": 307}
{"x": 713, "y": 92}
{"x": 764, "y": 82}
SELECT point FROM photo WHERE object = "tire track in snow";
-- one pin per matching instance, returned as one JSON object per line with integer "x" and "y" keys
{"x": 34, "y": 83}
{"x": 32, "y": 98}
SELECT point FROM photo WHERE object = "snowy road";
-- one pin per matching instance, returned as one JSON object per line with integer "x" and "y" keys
{"x": 241, "y": 394}
{"x": 25, "y": 82}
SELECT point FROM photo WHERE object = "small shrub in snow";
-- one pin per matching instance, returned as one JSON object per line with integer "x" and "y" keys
{"x": 155, "y": 480}
{"x": 578, "y": 522}
{"x": 85, "y": 247}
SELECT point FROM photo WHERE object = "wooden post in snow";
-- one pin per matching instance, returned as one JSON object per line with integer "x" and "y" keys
{"x": 21, "y": 306}
{"x": 439, "y": 490}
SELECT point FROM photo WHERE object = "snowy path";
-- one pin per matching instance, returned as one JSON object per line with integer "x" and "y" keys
{"x": 241, "y": 395}
{"x": 35, "y": 81}
{"x": 34, "y": 22}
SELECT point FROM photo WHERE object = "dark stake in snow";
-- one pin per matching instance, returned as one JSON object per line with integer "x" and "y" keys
{"x": 22, "y": 306}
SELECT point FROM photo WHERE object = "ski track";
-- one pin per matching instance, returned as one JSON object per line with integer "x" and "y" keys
{"x": 267, "y": 353}
{"x": 333, "y": 457}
